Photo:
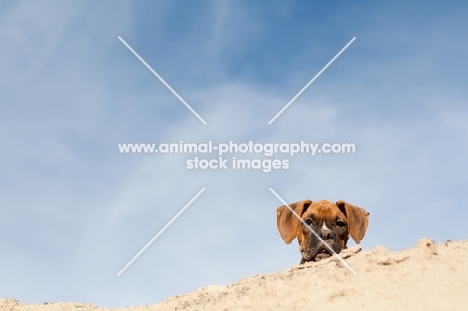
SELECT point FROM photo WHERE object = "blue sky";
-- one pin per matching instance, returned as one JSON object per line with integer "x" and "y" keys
{"x": 73, "y": 211}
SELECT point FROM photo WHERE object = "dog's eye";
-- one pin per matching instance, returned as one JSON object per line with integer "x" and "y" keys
{"x": 340, "y": 223}
{"x": 308, "y": 221}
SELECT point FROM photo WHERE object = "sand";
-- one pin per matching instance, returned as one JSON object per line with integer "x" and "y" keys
{"x": 425, "y": 277}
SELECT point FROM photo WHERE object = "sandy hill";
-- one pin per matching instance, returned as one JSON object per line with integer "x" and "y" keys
{"x": 425, "y": 277}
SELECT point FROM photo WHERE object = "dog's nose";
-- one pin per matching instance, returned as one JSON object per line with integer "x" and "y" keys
{"x": 326, "y": 234}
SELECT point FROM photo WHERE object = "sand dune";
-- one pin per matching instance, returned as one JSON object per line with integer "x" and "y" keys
{"x": 425, "y": 277}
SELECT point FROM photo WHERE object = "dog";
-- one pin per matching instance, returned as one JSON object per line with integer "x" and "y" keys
{"x": 333, "y": 222}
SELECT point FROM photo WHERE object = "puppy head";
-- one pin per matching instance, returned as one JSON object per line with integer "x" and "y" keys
{"x": 332, "y": 222}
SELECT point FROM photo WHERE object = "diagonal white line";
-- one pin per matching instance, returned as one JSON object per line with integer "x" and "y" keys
{"x": 315, "y": 233}
{"x": 160, "y": 232}
{"x": 162, "y": 80}
{"x": 310, "y": 82}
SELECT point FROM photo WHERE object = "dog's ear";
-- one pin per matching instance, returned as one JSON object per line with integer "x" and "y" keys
{"x": 287, "y": 222}
{"x": 358, "y": 219}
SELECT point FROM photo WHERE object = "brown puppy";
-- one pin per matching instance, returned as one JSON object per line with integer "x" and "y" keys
{"x": 333, "y": 222}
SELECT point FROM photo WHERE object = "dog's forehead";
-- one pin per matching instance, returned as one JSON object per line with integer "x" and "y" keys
{"x": 324, "y": 208}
